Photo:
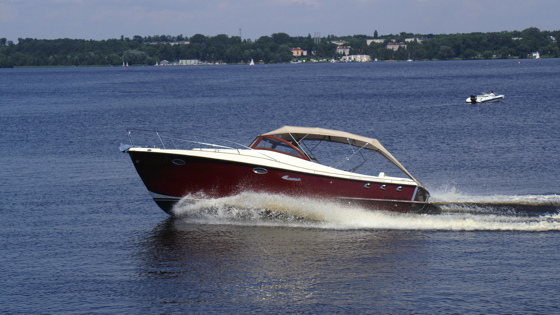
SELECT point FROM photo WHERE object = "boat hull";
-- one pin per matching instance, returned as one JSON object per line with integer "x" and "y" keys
{"x": 484, "y": 99}
{"x": 170, "y": 177}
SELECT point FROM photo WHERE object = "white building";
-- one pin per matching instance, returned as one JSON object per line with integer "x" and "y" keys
{"x": 356, "y": 58}
{"x": 343, "y": 50}
{"x": 188, "y": 62}
{"x": 377, "y": 41}
{"x": 396, "y": 46}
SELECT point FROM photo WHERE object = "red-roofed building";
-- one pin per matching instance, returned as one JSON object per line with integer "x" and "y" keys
{"x": 297, "y": 52}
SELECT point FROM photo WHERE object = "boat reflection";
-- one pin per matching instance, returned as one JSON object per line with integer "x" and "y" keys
{"x": 263, "y": 267}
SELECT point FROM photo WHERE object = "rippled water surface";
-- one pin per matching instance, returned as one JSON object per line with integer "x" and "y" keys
{"x": 81, "y": 234}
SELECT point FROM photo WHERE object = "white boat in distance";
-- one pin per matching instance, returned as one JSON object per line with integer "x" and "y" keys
{"x": 485, "y": 98}
{"x": 291, "y": 161}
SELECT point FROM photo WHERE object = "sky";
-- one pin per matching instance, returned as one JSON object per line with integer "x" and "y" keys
{"x": 107, "y": 19}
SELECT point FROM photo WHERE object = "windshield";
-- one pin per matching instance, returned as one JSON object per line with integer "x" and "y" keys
{"x": 276, "y": 144}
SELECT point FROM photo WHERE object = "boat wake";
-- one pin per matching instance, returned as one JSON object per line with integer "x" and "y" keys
{"x": 517, "y": 205}
{"x": 459, "y": 213}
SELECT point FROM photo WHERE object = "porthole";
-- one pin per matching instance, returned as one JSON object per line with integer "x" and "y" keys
{"x": 260, "y": 170}
{"x": 178, "y": 162}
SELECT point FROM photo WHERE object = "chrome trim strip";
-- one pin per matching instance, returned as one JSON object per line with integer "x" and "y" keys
{"x": 159, "y": 196}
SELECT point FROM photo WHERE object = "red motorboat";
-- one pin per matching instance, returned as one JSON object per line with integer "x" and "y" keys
{"x": 292, "y": 161}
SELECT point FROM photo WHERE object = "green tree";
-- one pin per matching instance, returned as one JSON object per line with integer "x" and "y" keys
{"x": 198, "y": 39}
{"x": 281, "y": 38}
{"x": 135, "y": 57}
{"x": 445, "y": 52}
{"x": 470, "y": 54}
{"x": 284, "y": 54}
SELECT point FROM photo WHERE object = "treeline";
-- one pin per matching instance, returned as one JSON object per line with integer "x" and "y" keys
{"x": 273, "y": 49}
{"x": 501, "y": 45}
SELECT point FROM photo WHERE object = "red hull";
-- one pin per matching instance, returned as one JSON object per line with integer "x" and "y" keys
{"x": 216, "y": 179}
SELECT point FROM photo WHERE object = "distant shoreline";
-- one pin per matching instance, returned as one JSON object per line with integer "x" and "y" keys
{"x": 277, "y": 49}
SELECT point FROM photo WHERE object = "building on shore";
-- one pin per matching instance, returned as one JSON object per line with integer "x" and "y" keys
{"x": 356, "y": 58}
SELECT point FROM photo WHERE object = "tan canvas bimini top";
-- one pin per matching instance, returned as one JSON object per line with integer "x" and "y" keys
{"x": 309, "y": 133}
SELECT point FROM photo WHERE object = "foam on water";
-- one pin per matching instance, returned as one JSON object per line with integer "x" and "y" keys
{"x": 453, "y": 195}
{"x": 474, "y": 213}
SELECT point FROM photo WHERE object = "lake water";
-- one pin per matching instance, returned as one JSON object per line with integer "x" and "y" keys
{"x": 80, "y": 234}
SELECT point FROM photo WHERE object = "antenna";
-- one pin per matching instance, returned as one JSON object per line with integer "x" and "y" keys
{"x": 317, "y": 37}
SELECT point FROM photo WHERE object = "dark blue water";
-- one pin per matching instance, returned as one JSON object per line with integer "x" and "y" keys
{"x": 80, "y": 234}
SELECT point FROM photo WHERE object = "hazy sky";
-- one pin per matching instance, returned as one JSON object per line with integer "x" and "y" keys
{"x": 105, "y": 19}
